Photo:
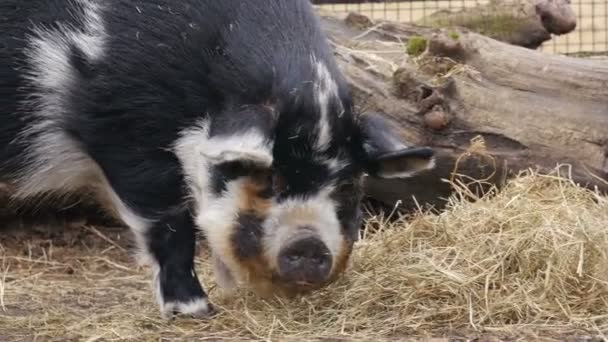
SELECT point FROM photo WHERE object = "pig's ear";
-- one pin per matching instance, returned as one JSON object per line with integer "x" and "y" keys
{"x": 244, "y": 136}
{"x": 385, "y": 153}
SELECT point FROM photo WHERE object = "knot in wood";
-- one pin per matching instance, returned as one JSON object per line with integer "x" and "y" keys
{"x": 359, "y": 21}
{"x": 444, "y": 46}
{"x": 437, "y": 119}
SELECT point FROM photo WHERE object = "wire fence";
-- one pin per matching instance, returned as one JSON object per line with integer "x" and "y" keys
{"x": 590, "y": 35}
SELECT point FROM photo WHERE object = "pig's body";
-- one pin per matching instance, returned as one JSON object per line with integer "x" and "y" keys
{"x": 228, "y": 116}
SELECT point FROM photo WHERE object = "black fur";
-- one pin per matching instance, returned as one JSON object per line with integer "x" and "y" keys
{"x": 172, "y": 243}
{"x": 224, "y": 173}
{"x": 247, "y": 238}
{"x": 233, "y": 121}
{"x": 349, "y": 196}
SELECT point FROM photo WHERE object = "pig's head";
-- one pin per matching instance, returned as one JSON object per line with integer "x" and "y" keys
{"x": 277, "y": 189}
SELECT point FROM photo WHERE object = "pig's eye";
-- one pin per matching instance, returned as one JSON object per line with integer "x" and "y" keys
{"x": 347, "y": 187}
{"x": 262, "y": 176}
{"x": 350, "y": 191}
{"x": 270, "y": 178}
{"x": 279, "y": 185}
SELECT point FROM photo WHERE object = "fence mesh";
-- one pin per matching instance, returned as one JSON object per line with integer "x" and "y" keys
{"x": 590, "y": 35}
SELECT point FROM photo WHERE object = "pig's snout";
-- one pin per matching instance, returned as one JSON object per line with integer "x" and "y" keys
{"x": 306, "y": 261}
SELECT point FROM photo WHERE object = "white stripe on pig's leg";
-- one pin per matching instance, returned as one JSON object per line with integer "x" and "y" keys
{"x": 168, "y": 246}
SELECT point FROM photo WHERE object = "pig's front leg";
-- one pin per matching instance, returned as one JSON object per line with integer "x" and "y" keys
{"x": 171, "y": 242}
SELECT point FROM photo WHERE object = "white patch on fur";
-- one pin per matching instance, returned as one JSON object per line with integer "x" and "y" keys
{"x": 92, "y": 40}
{"x": 49, "y": 51}
{"x": 287, "y": 218}
{"x": 217, "y": 217}
{"x": 196, "y": 168}
{"x": 197, "y": 152}
{"x": 138, "y": 225}
{"x": 250, "y": 145}
{"x": 158, "y": 294}
{"x": 217, "y": 213}
{"x": 326, "y": 89}
{"x": 55, "y": 162}
{"x": 196, "y": 307}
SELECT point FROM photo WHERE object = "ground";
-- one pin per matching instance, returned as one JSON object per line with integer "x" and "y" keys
{"x": 525, "y": 263}
{"x": 77, "y": 283}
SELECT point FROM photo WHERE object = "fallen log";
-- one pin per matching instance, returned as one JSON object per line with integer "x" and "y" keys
{"x": 527, "y": 23}
{"x": 490, "y": 109}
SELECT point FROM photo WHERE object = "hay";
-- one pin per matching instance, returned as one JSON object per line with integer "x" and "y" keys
{"x": 531, "y": 259}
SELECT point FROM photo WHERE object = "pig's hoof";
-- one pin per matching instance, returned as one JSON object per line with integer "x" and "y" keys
{"x": 197, "y": 308}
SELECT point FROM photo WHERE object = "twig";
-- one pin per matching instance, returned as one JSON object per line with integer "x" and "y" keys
{"x": 2, "y": 289}
{"x": 107, "y": 239}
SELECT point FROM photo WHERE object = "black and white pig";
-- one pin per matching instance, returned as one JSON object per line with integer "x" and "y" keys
{"x": 228, "y": 116}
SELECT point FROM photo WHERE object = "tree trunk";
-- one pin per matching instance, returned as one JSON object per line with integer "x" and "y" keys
{"x": 490, "y": 109}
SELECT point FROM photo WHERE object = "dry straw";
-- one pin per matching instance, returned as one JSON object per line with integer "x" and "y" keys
{"x": 531, "y": 258}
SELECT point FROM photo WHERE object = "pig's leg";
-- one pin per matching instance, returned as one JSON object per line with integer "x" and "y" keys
{"x": 171, "y": 242}
{"x": 151, "y": 201}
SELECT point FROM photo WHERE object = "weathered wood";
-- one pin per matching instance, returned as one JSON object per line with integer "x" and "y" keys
{"x": 533, "y": 110}
{"x": 527, "y": 23}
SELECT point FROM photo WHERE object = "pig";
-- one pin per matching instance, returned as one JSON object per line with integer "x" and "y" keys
{"x": 230, "y": 118}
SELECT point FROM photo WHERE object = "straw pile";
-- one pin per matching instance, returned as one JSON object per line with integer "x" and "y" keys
{"x": 530, "y": 259}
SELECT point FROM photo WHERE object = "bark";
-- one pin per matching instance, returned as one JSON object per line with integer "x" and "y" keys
{"x": 527, "y": 23}
{"x": 490, "y": 109}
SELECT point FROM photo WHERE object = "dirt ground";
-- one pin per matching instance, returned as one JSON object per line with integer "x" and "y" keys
{"x": 78, "y": 283}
